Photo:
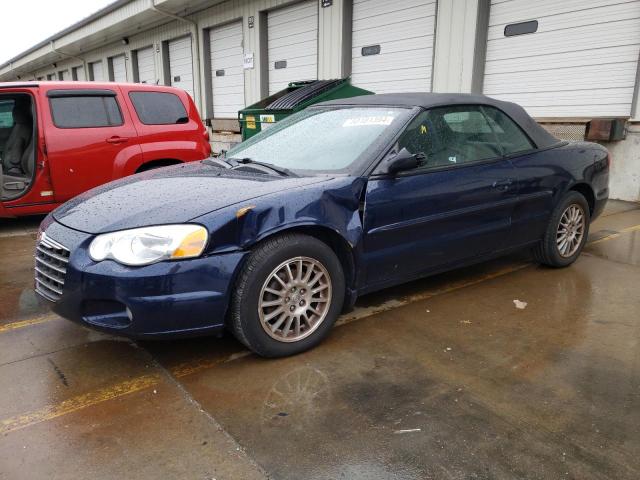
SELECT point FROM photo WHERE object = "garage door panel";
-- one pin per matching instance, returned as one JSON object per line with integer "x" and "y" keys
{"x": 393, "y": 86}
{"x": 568, "y": 79}
{"x": 305, "y": 42}
{"x": 420, "y": 15}
{"x": 298, "y": 33}
{"x": 369, "y": 9}
{"x": 570, "y": 22}
{"x": 292, "y": 38}
{"x": 396, "y": 63}
{"x": 399, "y": 47}
{"x": 506, "y": 12}
{"x": 601, "y": 56}
{"x": 414, "y": 29}
{"x": 585, "y": 38}
{"x": 227, "y": 56}
{"x": 405, "y": 33}
{"x": 374, "y": 76}
{"x": 293, "y": 13}
{"x": 575, "y": 97}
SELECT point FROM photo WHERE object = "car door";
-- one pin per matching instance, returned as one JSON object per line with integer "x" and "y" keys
{"x": 537, "y": 173}
{"x": 456, "y": 206}
{"x": 89, "y": 140}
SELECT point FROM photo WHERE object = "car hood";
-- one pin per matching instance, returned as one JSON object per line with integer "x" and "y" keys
{"x": 169, "y": 195}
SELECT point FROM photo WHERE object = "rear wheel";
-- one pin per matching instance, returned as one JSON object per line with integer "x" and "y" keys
{"x": 566, "y": 233}
{"x": 288, "y": 295}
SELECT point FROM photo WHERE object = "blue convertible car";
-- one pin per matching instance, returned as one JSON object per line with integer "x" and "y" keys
{"x": 275, "y": 239}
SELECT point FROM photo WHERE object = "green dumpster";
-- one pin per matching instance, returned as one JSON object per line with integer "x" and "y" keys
{"x": 297, "y": 96}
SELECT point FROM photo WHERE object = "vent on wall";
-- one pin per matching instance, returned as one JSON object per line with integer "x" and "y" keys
{"x": 521, "y": 28}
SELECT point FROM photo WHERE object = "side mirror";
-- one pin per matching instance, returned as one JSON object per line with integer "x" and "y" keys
{"x": 403, "y": 160}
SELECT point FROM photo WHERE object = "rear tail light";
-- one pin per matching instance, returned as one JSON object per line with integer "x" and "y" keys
{"x": 609, "y": 159}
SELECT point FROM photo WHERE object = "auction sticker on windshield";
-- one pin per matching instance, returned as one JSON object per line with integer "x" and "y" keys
{"x": 366, "y": 121}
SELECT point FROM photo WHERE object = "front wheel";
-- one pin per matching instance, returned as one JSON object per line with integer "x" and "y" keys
{"x": 288, "y": 295}
{"x": 566, "y": 232}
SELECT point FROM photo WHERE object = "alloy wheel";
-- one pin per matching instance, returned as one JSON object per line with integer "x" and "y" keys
{"x": 571, "y": 230}
{"x": 295, "y": 299}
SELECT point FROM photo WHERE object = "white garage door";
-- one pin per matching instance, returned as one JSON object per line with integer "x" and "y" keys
{"x": 292, "y": 37}
{"x": 393, "y": 45}
{"x": 146, "y": 64}
{"x": 78, "y": 74}
{"x": 97, "y": 72}
{"x": 119, "y": 69}
{"x": 227, "y": 74}
{"x": 181, "y": 64}
{"x": 579, "y": 62}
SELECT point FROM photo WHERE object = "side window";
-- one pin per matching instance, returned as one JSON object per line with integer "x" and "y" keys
{"x": 451, "y": 136}
{"x": 6, "y": 113}
{"x": 85, "y": 111}
{"x": 511, "y": 137}
{"x": 417, "y": 137}
{"x": 158, "y": 108}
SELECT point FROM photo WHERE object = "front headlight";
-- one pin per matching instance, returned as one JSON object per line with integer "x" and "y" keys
{"x": 143, "y": 246}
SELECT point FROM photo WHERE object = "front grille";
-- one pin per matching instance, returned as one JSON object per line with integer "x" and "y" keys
{"x": 51, "y": 268}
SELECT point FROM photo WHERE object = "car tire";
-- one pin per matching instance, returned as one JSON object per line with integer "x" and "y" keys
{"x": 287, "y": 296}
{"x": 561, "y": 246}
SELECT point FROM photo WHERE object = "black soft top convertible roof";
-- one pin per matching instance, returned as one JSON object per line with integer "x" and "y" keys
{"x": 539, "y": 135}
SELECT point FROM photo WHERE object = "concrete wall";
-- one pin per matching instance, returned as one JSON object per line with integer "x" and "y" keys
{"x": 625, "y": 165}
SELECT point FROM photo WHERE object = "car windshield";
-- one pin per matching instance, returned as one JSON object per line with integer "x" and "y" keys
{"x": 320, "y": 140}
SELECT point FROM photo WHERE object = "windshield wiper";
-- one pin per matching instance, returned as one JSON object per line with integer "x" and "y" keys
{"x": 218, "y": 162}
{"x": 285, "y": 172}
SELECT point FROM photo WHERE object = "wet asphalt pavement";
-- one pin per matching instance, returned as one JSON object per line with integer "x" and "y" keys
{"x": 444, "y": 378}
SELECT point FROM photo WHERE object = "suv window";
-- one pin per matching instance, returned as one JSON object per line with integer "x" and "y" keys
{"x": 451, "y": 135}
{"x": 511, "y": 137}
{"x": 6, "y": 113}
{"x": 85, "y": 112}
{"x": 158, "y": 108}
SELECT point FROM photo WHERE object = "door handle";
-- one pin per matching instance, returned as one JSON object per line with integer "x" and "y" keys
{"x": 117, "y": 140}
{"x": 503, "y": 185}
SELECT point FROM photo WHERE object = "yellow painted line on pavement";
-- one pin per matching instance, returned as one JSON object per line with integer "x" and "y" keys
{"x": 635, "y": 228}
{"x": 27, "y": 323}
{"x": 76, "y": 403}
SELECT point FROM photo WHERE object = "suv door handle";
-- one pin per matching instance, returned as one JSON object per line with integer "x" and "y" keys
{"x": 503, "y": 185}
{"x": 117, "y": 140}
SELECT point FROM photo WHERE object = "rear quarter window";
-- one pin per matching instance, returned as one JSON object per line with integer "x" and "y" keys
{"x": 85, "y": 112}
{"x": 158, "y": 108}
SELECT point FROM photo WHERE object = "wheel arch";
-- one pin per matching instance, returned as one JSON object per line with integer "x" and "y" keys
{"x": 163, "y": 162}
{"x": 587, "y": 192}
{"x": 341, "y": 247}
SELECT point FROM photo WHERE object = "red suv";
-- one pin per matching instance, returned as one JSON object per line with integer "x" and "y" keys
{"x": 59, "y": 139}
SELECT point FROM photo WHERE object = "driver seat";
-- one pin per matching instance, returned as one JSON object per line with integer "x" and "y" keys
{"x": 19, "y": 142}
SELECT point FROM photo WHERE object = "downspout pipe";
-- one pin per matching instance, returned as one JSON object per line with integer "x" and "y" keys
{"x": 68, "y": 55}
{"x": 196, "y": 37}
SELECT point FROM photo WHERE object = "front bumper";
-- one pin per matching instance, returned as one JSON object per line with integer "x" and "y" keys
{"x": 166, "y": 299}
